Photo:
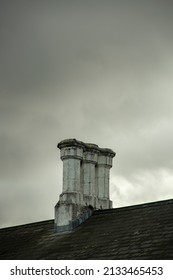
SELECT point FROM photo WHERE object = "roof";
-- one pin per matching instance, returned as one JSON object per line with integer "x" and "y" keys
{"x": 135, "y": 232}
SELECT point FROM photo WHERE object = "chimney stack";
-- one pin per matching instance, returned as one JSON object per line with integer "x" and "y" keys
{"x": 86, "y": 169}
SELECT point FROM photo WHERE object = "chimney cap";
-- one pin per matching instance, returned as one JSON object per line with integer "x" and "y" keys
{"x": 72, "y": 142}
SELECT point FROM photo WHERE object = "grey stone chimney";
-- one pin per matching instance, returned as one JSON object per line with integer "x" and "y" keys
{"x": 86, "y": 169}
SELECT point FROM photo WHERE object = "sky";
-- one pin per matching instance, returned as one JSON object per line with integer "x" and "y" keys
{"x": 100, "y": 71}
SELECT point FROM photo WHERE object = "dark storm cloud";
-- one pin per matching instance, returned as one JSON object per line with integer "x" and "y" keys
{"x": 39, "y": 42}
{"x": 99, "y": 71}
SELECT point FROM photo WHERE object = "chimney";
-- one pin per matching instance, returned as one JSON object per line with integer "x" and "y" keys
{"x": 86, "y": 169}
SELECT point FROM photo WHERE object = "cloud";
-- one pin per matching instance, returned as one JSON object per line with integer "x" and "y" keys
{"x": 97, "y": 71}
{"x": 144, "y": 186}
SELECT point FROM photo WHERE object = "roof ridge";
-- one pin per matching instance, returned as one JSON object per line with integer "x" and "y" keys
{"x": 126, "y": 208}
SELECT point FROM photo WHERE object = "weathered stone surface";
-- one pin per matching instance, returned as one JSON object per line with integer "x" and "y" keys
{"x": 85, "y": 180}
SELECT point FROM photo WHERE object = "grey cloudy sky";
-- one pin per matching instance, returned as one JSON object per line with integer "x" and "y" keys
{"x": 98, "y": 71}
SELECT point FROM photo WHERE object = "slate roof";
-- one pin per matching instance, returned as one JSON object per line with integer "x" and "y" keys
{"x": 135, "y": 232}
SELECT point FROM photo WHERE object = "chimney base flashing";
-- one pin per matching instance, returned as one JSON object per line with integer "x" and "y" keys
{"x": 69, "y": 216}
{"x": 73, "y": 224}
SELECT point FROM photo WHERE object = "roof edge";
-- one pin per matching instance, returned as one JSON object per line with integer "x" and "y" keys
{"x": 135, "y": 206}
{"x": 28, "y": 224}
